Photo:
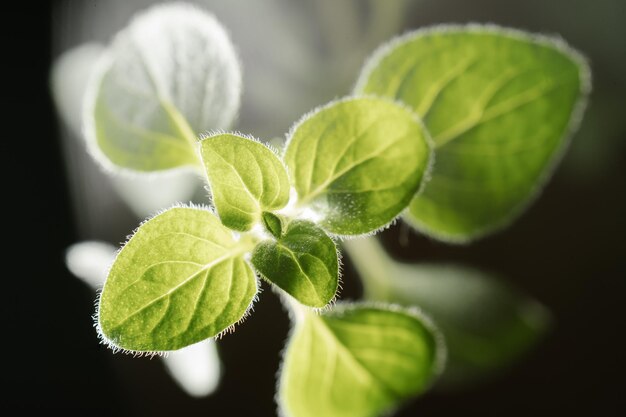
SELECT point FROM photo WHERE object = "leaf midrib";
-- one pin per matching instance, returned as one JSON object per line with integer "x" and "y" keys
{"x": 321, "y": 188}
{"x": 293, "y": 256}
{"x": 206, "y": 267}
{"x": 243, "y": 183}
{"x": 486, "y": 114}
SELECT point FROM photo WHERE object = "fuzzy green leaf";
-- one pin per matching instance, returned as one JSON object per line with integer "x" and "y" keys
{"x": 357, "y": 361}
{"x": 499, "y": 105}
{"x": 170, "y": 75}
{"x": 303, "y": 262}
{"x": 246, "y": 178}
{"x": 180, "y": 279}
{"x": 357, "y": 163}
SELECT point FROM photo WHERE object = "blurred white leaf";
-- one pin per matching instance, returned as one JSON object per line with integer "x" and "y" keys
{"x": 68, "y": 81}
{"x": 195, "y": 368}
{"x": 167, "y": 77}
{"x": 90, "y": 261}
{"x": 145, "y": 195}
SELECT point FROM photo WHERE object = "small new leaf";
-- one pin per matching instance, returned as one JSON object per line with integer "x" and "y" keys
{"x": 357, "y": 361}
{"x": 180, "y": 279}
{"x": 273, "y": 223}
{"x": 171, "y": 74}
{"x": 499, "y": 105}
{"x": 303, "y": 262}
{"x": 246, "y": 178}
{"x": 357, "y": 163}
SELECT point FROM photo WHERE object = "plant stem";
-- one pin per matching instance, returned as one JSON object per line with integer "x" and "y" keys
{"x": 372, "y": 263}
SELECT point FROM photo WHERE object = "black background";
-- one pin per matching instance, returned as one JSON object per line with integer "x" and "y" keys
{"x": 567, "y": 251}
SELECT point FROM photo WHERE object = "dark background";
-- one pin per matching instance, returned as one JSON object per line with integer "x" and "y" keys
{"x": 567, "y": 251}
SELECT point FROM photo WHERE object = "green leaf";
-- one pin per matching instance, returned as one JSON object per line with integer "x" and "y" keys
{"x": 357, "y": 361}
{"x": 303, "y": 262}
{"x": 356, "y": 163}
{"x": 180, "y": 279}
{"x": 487, "y": 324}
{"x": 499, "y": 105}
{"x": 246, "y": 179}
{"x": 273, "y": 223}
{"x": 171, "y": 74}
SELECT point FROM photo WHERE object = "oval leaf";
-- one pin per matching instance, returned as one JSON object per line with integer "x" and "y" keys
{"x": 357, "y": 361}
{"x": 180, "y": 279}
{"x": 246, "y": 178}
{"x": 357, "y": 163}
{"x": 499, "y": 105}
{"x": 171, "y": 74}
{"x": 303, "y": 262}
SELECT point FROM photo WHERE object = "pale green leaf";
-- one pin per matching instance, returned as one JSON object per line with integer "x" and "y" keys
{"x": 499, "y": 105}
{"x": 246, "y": 179}
{"x": 303, "y": 262}
{"x": 357, "y": 361}
{"x": 487, "y": 324}
{"x": 357, "y": 163}
{"x": 170, "y": 75}
{"x": 180, "y": 279}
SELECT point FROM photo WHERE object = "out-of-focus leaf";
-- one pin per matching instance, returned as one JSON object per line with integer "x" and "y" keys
{"x": 487, "y": 324}
{"x": 169, "y": 76}
{"x": 195, "y": 368}
{"x": 69, "y": 77}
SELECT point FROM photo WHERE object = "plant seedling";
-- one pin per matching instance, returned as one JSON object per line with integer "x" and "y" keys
{"x": 453, "y": 129}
